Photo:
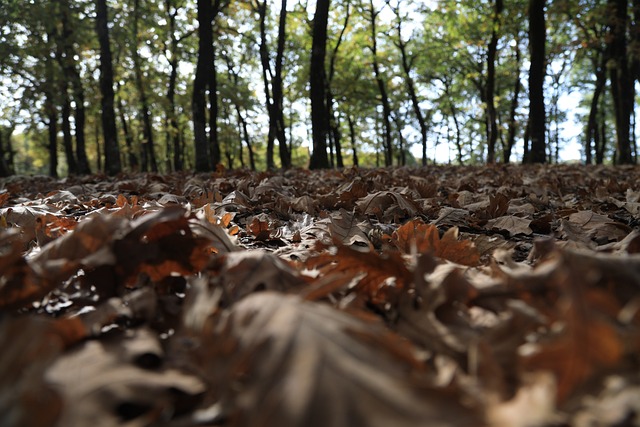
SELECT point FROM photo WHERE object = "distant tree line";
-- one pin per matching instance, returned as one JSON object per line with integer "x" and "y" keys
{"x": 163, "y": 85}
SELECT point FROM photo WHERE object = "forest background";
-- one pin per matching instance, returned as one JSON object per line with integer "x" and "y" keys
{"x": 166, "y": 85}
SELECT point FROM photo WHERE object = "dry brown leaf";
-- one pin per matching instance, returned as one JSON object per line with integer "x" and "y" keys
{"x": 376, "y": 277}
{"x": 423, "y": 238}
{"x": 121, "y": 380}
{"x": 280, "y": 360}
{"x": 512, "y": 224}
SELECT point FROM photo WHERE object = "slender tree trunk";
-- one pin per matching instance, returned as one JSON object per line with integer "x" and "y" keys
{"x": 382, "y": 87}
{"x": 537, "y": 115}
{"x": 278, "y": 94}
{"x": 148, "y": 145}
{"x": 4, "y": 168}
{"x": 173, "y": 138}
{"x": 334, "y": 122}
{"x": 352, "y": 137}
{"x": 65, "y": 111}
{"x": 267, "y": 81}
{"x": 621, "y": 81}
{"x": 406, "y": 67}
{"x": 112, "y": 163}
{"x": 319, "y": 110}
{"x": 52, "y": 124}
{"x": 246, "y": 138}
{"x": 592, "y": 133}
{"x": 67, "y": 138}
{"x": 458, "y": 135}
{"x": 214, "y": 145}
{"x": 128, "y": 137}
{"x": 515, "y": 101}
{"x": 402, "y": 154}
{"x": 601, "y": 142}
{"x": 492, "y": 115}
{"x": 199, "y": 100}
{"x": 70, "y": 67}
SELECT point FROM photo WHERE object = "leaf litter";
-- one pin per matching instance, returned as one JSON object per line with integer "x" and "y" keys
{"x": 440, "y": 296}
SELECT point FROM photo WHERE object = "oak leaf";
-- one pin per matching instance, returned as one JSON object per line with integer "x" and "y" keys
{"x": 417, "y": 236}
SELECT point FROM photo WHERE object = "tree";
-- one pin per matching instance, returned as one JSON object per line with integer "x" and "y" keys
{"x": 621, "y": 82}
{"x": 272, "y": 80}
{"x": 407, "y": 66}
{"x": 317, "y": 78}
{"x": 382, "y": 86}
{"x": 112, "y": 163}
{"x": 148, "y": 156}
{"x": 537, "y": 116}
{"x": 492, "y": 115}
{"x": 206, "y": 145}
{"x": 67, "y": 57}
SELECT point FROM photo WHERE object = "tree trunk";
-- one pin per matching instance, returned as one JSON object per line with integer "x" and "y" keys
{"x": 173, "y": 131}
{"x": 112, "y": 163}
{"x": 592, "y": 133}
{"x": 128, "y": 138}
{"x": 278, "y": 94}
{"x": 214, "y": 145}
{"x": 319, "y": 110}
{"x": 148, "y": 145}
{"x": 67, "y": 139}
{"x": 515, "y": 101}
{"x": 334, "y": 122}
{"x": 406, "y": 67}
{"x": 382, "y": 87}
{"x": 199, "y": 100}
{"x": 352, "y": 137}
{"x": 70, "y": 67}
{"x": 4, "y": 167}
{"x": 537, "y": 115}
{"x": 267, "y": 81}
{"x": 52, "y": 118}
{"x": 621, "y": 82}
{"x": 492, "y": 115}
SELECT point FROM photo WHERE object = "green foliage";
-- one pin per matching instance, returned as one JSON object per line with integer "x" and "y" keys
{"x": 446, "y": 42}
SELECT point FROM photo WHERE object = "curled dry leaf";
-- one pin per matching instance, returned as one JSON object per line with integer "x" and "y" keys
{"x": 279, "y": 360}
{"x": 28, "y": 348}
{"x": 376, "y": 277}
{"x": 121, "y": 380}
{"x": 416, "y": 236}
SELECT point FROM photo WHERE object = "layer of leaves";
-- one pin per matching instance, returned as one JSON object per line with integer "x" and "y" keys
{"x": 501, "y": 295}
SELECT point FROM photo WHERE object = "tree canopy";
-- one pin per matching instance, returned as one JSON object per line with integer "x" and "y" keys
{"x": 163, "y": 85}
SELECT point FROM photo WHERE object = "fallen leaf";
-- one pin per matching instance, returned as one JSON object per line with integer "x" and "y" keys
{"x": 417, "y": 236}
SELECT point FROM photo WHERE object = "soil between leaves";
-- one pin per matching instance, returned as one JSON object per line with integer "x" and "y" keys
{"x": 500, "y": 296}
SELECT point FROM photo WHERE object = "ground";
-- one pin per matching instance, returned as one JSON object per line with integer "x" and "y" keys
{"x": 493, "y": 295}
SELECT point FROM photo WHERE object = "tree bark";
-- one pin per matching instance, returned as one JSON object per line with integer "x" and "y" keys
{"x": 334, "y": 122}
{"x": 415, "y": 103}
{"x": 214, "y": 145}
{"x": 203, "y": 70}
{"x": 112, "y": 163}
{"x": 128, "y": 137}
{"x": 537, "y": 115}
{"x": 319, "y": 110}
{"x": 173, "y": 131}
{"x": 278, "y": 93}
{"x": 67, "y": 138}
{"x": 621, "y": 81}
{"x": 352, "y": 136}
{"x": 513, "y": 122}
{"x": 70, "y": 68}
{"x": 382, "y": 87}
{"x": 148, "y": 155}
{"x": 4, "y": 167}
{"x": 492, "y": 115}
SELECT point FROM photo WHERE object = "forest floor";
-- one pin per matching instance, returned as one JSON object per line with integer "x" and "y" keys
{"x": 438, "y": 296}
